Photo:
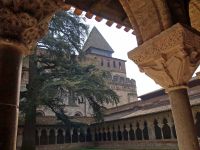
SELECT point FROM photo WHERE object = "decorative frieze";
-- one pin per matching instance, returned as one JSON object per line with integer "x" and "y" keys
{"x": 26, "y": 21}
{"x": 171, "y": 57}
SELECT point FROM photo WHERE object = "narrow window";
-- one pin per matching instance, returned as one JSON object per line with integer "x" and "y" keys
{"x": 108, "y": 64}
{"x": 114, "y": 65}
{"x": 120, "y": 66}
{"x": 101, "y": 62}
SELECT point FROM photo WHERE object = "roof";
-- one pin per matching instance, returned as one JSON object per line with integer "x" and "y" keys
{"x": 96, "y": 40}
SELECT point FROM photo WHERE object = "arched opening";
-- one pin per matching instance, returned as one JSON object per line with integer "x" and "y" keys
{"x": 157, "y": 129}
{"x": 60, "y": 137}
{"x": 82, "y": 135}
{"x": 75, "y": 136}
{"x": 52, "y": 137}
{"x": 104, "y": 135}
{"x": 145, "y": 131}
{"x": 36, "y": 137}
{"x": 166, "y": 129}
{"x": 197, "y": 124}
{"x": 119, "y": 134}
{"x": 114, "y": 134}
{"x": 125, "y": 134}
{"x": 89, "y": 135}
{"x": 108, "y": 134}
{"x": 96, "y": 135}
{"x": 78, "y": 114}
{"x": 99, "y": 135}
{"x": 67, "y": 136}
{"x": 131, "y": 133}
{"x": 40, "y": 113}
{"x": 138, "y": 132}
{"x": 43, "y": 137}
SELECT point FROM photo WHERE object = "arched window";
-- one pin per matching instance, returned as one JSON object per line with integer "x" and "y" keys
{"x": 158, "y": 133}
{"x": 138, "y": 132}
{"x": 145, "y": 131}
{"x": 52, "y": 137}
{"x": 43, "y": 137}
{"x": 166, "y": 129}
{"x": 131, "y": 133}
{"x": 104, "y": 135}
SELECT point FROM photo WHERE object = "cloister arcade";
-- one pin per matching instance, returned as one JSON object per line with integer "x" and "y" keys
{"x": 153, "y": 128}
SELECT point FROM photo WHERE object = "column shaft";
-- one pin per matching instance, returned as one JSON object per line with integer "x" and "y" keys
{"x": 10, "y": 77}
{"x": 183, "y": 119}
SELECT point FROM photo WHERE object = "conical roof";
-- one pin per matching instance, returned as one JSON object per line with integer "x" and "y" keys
{"x": 96, "y": 40}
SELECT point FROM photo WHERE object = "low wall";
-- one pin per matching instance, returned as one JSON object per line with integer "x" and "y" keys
{"x": 137, "y": 145}
{"x": 66, "y": 146}
{"x": 125, "y": 145}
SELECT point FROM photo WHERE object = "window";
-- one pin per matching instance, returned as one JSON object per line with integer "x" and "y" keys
{"x": 114, "y": 65}
{"x": 108, "y": 64}
{"x": 120, "y": 66}
{"x": 101, "y": 62}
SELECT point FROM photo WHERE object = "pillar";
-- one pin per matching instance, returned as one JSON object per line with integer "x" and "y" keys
{"x": 183, "y": 119}
{"x": 170, "y": 59}
{"x": 10, "y": 76}
{"x": 39, "y": 135}
{"x": 19, "y": 32}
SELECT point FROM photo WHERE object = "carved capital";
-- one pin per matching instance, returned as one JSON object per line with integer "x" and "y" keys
{"x": 26, "y": 21}
{"x": 171, "y": 57}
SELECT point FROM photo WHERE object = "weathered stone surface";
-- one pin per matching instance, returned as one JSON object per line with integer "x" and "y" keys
{"x": 170, "y": 58}
{"x": 148, "y": 18}
{"x": 26, "y": 21}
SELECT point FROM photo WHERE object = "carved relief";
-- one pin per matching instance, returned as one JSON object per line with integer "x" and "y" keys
{"x": 170, "y": 58}
{"x": 26, "y": 21}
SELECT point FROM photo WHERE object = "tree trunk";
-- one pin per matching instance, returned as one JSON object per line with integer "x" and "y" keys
{"x": 28, "y": 142}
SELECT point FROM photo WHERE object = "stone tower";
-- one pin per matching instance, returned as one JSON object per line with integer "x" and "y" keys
{"x": 99, "y": 52}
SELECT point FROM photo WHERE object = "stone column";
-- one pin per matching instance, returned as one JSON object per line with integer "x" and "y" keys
{"x": 170, "y": 59}
{"x": 39, "y": 135}
{"x": 19, "y": 31}
{"x": 151, "y": 130}
{"x": 183, "y": 119}
{"x": 10, "y": 77}
{"x": 56, "y": 136}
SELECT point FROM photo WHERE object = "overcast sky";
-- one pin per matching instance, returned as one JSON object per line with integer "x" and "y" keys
{"x": 123, "y": 42}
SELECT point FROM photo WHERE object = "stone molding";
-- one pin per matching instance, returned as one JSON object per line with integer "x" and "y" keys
{"x": 171, "y": 57}
{"x": 25, "y": 22}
